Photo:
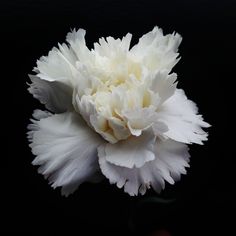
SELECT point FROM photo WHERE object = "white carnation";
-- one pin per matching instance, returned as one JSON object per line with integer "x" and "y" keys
{"x": 118, "y": 112}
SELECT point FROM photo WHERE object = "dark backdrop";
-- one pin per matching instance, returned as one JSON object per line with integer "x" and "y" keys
{"x": 203, "y": 200}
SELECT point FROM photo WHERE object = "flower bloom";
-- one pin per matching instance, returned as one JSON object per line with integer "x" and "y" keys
{"x": 114, "y": 111}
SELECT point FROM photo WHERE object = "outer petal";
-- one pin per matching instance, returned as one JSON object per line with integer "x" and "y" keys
{"x": 163, "y": 84}
{"x": 170, "y": 162}
{"x": 171, "y": 159}
{"x": 76, "y": 39}
{"x": 125, "y": 42}
{"x": 59, "y": 65}
{"x": 56, "y": 96}
{"x": 147, "y": 39}
{"x": 66, "y": 149}
{"x": 107, "y": 47}
{"x": 132, "y": 152}
{"x": 180, "y": 115}
{"x": 157, "y": 51}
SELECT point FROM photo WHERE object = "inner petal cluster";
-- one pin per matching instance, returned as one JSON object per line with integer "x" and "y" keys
{"x": 118, "y": 91}
{"x": 116, "y": 81}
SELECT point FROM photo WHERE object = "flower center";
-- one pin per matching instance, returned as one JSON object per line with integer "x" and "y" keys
{"x": 116, "y": 87}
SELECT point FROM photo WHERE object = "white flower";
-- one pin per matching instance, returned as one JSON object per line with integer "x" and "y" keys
{"x": 115, "y": 111}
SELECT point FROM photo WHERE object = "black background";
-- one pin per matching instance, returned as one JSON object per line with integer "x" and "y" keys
{"x": 203, "y": 199}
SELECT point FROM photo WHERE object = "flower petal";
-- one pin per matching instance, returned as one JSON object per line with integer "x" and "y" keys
{"x": 85, "y": 106}
{"x": 59, "y": 65}
{"x": 171, "y": 159}
{"x": 157, "y": 51}
{"x": 147, "y": 39}
{"x": 76, "y": 39}
{"x": 141, "y": 119}
{"x": 66, "y": 149}
{"x": 56, "y": 96}
{"x": 170, "y": 162}
{"x": 125, "y": 42}
{"x": 163, "y": 84}
{"x": 132, "y": 152}
{"x": 180, "y": 115}
{"x": 107, "y": 47}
